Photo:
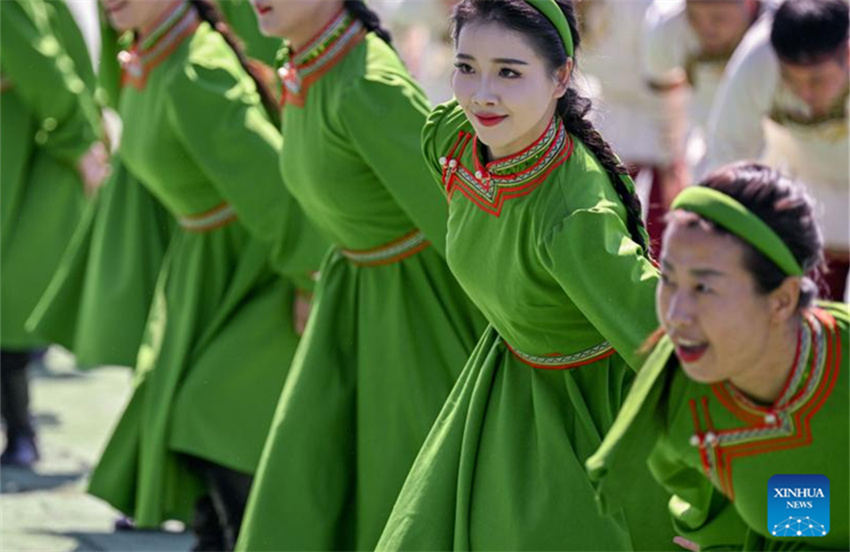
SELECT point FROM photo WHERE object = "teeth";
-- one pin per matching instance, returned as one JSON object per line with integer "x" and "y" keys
{"x": 688, "y": 343}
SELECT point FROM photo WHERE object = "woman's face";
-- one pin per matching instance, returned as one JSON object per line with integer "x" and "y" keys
{"x": 709, "y": 304}
{"x": 293, "y": 18}
{"x": 125, "y": 15}
{"x": 504, "y": 87}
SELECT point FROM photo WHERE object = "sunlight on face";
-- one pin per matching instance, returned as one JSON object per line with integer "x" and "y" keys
{"x": 504, "y": 87}
{"x": 289, "y": 18}
{"x": 709, "y": 305}
{"x": 819, "y": 85}
{"x": 720, "y": 24}
{"x": 126, "y": 15}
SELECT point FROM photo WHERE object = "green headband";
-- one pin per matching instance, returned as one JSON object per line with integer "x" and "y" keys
{"x": 737, "y": 219}
{"x": 552, "y": 11}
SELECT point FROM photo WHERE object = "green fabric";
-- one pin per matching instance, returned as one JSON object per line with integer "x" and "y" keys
{"x": 243, "y": 21}
{"x": 384, "y": 344}
{"x": 656, "y": 424}
{"x": 555, "y": 273}
{"x": 734, "y": 217}
{"x": 49, "y": 121}
{"x": 219, "y": 338}
{"x": 98, "y": 301}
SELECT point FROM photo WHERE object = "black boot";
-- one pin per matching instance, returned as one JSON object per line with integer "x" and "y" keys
{"x": 207, "y": 527}
{"x": 228, "y": 492}
{"x": 21, "y": 449}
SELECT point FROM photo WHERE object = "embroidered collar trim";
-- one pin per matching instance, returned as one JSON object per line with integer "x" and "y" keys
{"x": 326, "y": 49}
{"x": 490, "y": 185}
{"x": 177, "y": 24}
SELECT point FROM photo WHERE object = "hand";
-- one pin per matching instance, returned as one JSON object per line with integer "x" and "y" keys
{"x": 686, "y": 544}
{"x": 301, "y": 311}
{"x": 94, "y": 167}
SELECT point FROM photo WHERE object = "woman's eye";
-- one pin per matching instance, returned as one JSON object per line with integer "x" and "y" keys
{"x": 508, "y": 73}
{"x": 702, "y": 288}
{"x": 463, "y": 68}
{"x": 665, "y": 279}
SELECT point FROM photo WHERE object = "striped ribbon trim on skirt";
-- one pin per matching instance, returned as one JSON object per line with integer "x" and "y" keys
{"x": 564, "y": 362}
{"x": 389, "y": 253}
{"x": 209, "y": 220}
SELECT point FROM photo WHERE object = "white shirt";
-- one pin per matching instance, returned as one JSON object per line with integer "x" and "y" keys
{"x": 626, "y": 112}
{"x": 756, "y": 116}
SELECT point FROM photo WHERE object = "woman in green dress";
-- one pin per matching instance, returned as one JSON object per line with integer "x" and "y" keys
{"x": 545, "y": 235}
{"x": 749, "y": 381}
{"x": 390, "y": 328}
{"x": 51, "y": 152}
{"x": 97, "y": 303}
{"x": 220, "y": 335}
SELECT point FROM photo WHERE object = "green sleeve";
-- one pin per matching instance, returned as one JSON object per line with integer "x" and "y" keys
{"x": 623, "y": 454}
{"x": 44, "y": 77}
{"x": 383, "y": 116}
{"x": 109, "y": 70}
{"x": 216, "y": 113}
{"x": 607, "y": 276}
{"x": 71, "y": 38}
{"x": 700, "y": 512}
{"x": 439, "y": 134}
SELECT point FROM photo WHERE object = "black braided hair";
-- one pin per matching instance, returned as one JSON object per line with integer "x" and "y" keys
{"x": 573, "y": 108}
{"x": 359, "y": 10}
{"x": 208, "y": 12}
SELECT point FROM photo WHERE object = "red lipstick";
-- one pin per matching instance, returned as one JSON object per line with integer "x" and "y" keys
{"x": 490, "y": 120}
{"x": 690, "y": 355}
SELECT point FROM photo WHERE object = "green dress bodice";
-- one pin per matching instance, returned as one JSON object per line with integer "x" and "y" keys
{"x": 343, "y": 160}
{"x": 539, "y": 242}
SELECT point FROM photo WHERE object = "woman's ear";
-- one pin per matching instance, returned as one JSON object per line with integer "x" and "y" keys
{"x": 562, "y": 78}
{"x": 785, "y": 299}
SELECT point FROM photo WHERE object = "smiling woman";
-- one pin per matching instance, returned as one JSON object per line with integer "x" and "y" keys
{"x": 545, "y": 235}
{"x": 751, "y": 378}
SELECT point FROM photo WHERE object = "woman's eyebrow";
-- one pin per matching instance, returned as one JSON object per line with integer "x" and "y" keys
{"x": 504, "y": 61}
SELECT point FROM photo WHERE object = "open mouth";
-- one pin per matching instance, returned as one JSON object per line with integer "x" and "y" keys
{"x": 690, "y": 353}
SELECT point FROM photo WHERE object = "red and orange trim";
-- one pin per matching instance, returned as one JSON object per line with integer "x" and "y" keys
{"x": 215, "y": 218}
{"x": 389, "y": 253}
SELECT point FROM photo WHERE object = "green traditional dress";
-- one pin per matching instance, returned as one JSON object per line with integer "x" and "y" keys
{"x": 716, "y": 450}
{"x": 390, "y": 328}
{"x": 98, "y": 302}
{"x": 539, "y": 241}
{"x": 49, "y": 121}
{"x": 220, "y": 337}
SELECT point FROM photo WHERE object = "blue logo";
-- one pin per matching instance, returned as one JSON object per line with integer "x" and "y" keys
{"x": 798, "y": 506}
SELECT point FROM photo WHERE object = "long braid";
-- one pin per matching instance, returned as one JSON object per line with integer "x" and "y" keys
{"x": 359, "y": 10}
{"x": 574, "y": 110}
{"x": 209, "y": 13}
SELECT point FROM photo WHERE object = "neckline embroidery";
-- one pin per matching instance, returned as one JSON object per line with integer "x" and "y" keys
{"x": 299, "y": 70}
{"x": 175, "y": 26}
{"x": 783, "y": 425}
{"x": 490, "y": 185}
